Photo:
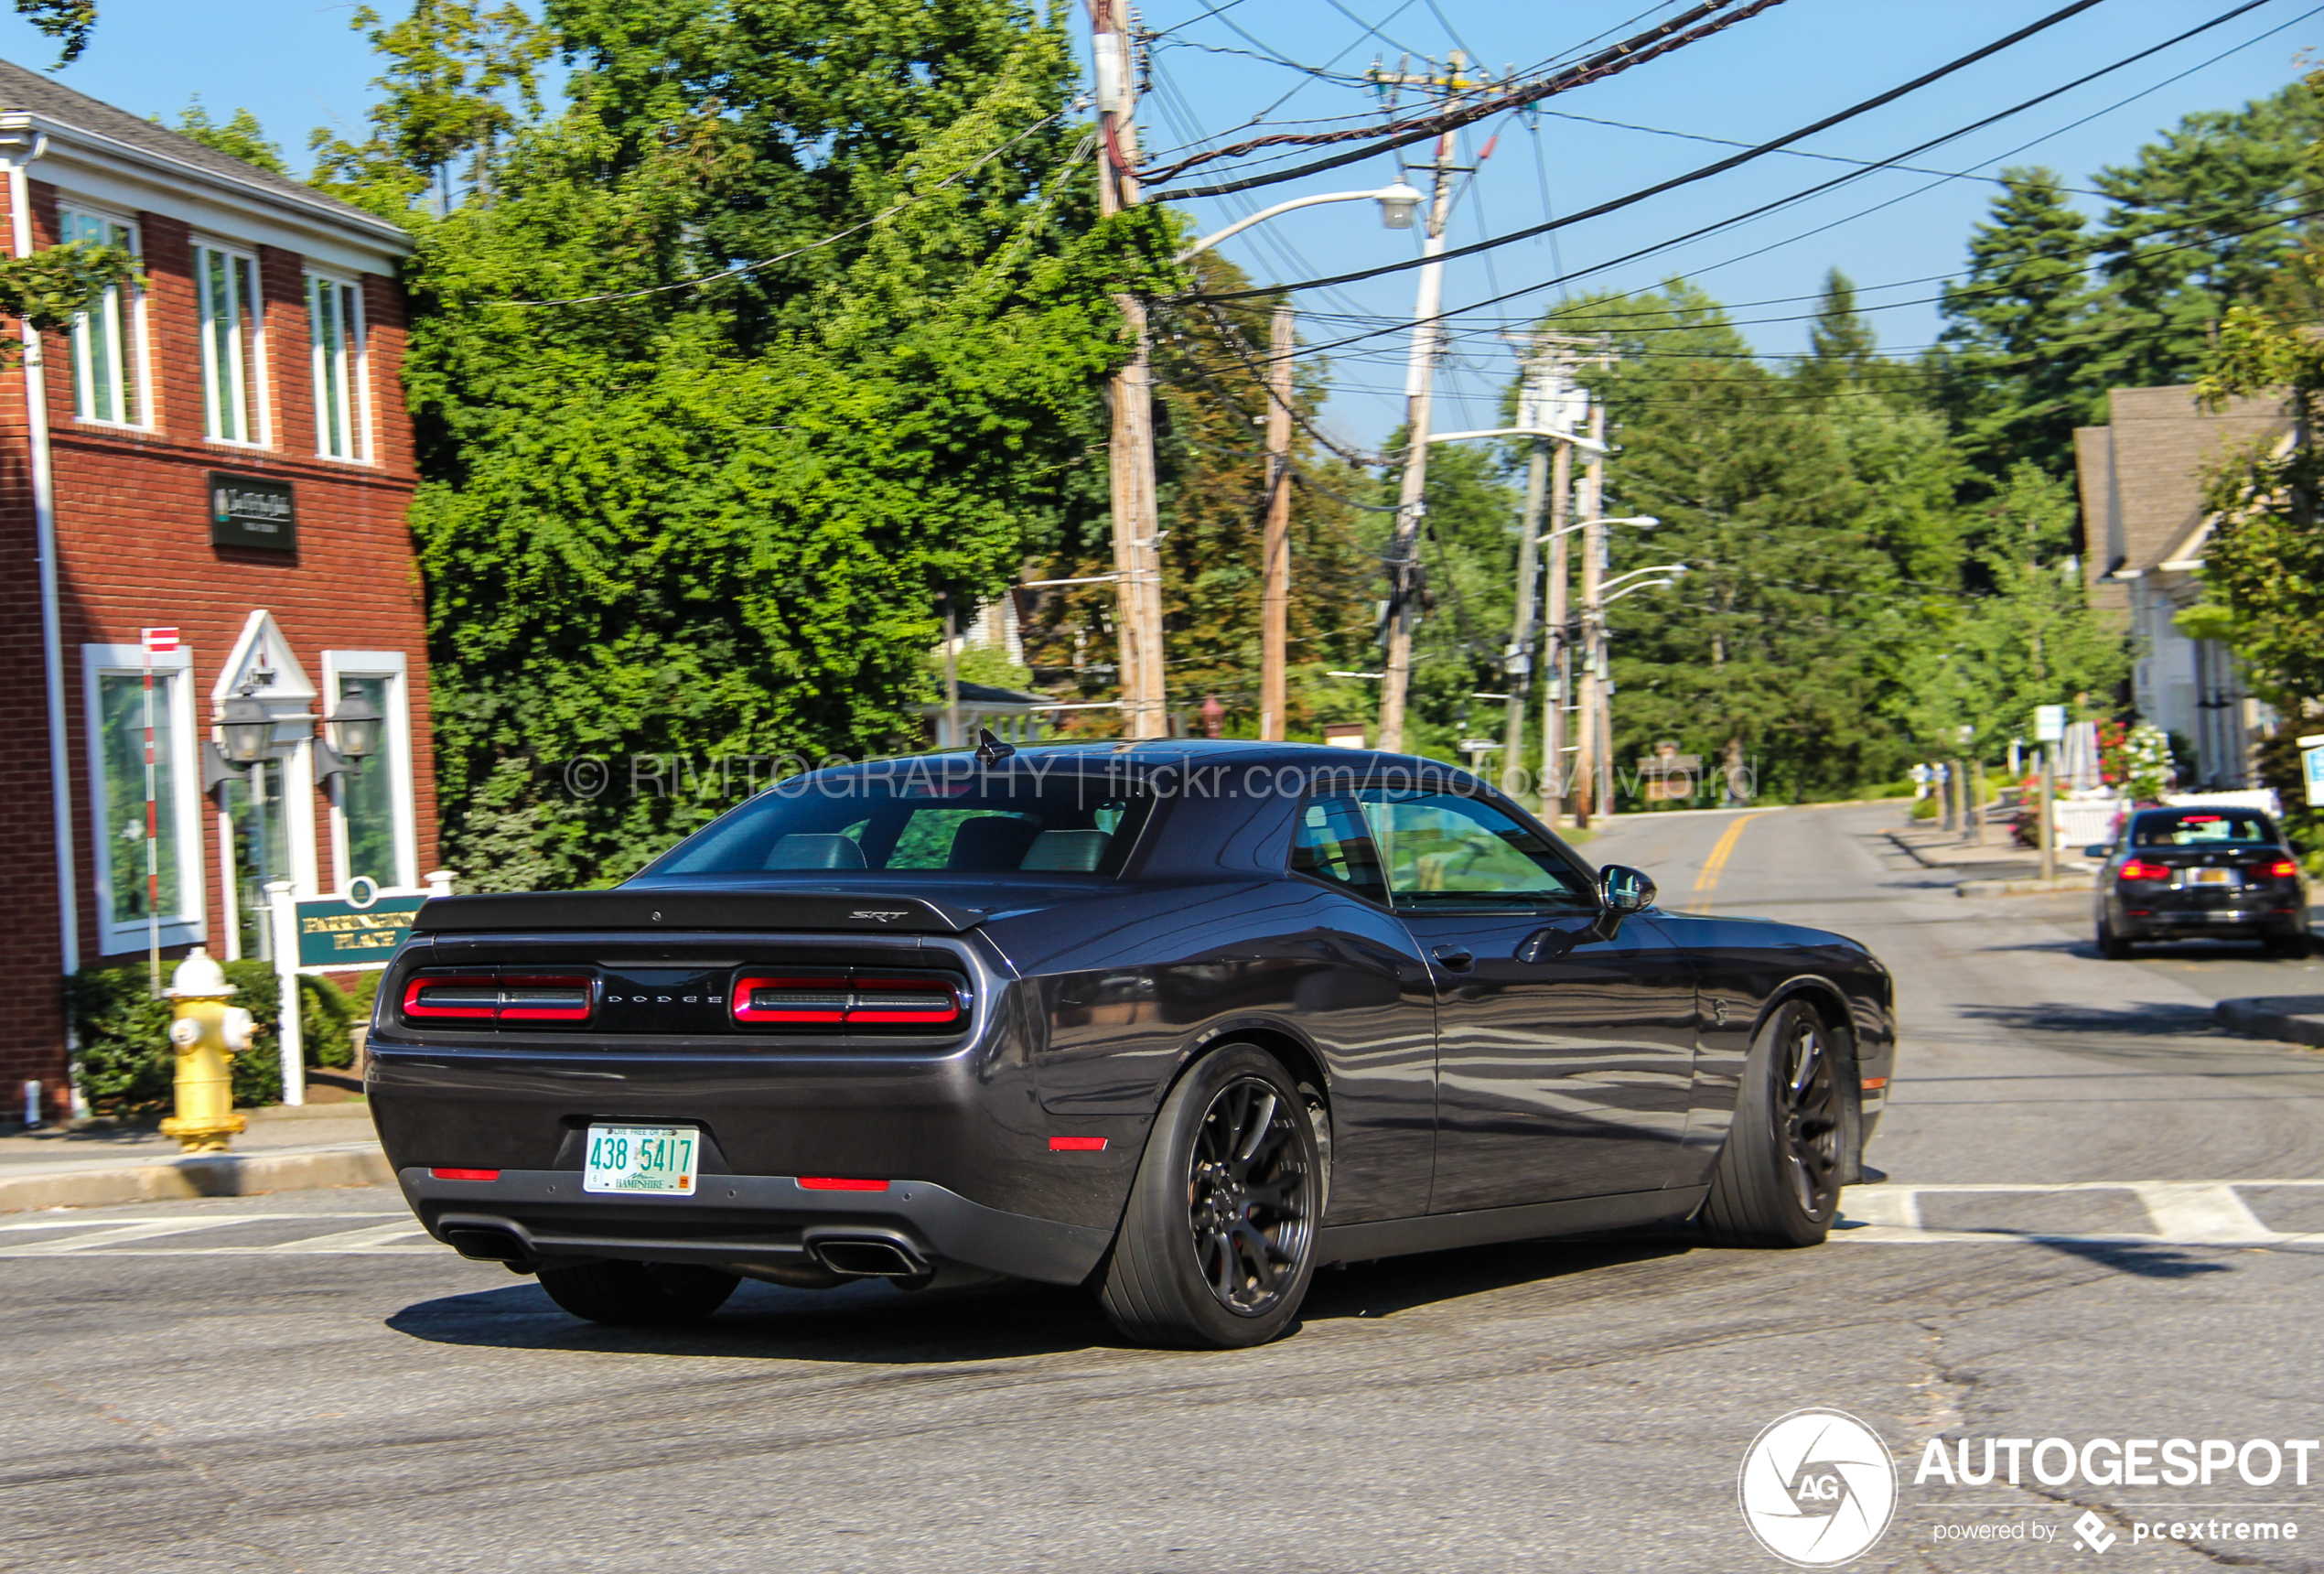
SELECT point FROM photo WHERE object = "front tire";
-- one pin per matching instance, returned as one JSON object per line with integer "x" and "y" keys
{"x": 1217, "y": 1243}
{"x": 638, "y": 1294}
{"x": 1777, "y": 1183}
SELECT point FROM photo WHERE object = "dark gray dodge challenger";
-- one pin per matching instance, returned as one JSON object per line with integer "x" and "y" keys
{"x": 1183, "y": 1022}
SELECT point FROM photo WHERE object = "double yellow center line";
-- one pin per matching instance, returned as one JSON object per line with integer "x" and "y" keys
{"x": 1709, "y": 879}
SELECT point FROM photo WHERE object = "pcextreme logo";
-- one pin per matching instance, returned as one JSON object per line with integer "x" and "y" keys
{"x": 1817, "y": 1488}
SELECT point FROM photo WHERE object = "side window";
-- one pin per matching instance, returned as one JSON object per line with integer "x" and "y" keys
{"x": 1334, "y": 844}
{"x": 1447, "y": 851}
{"x": 104, "y": 336}
{"x": 232, "y": 362}
{"x": 335, "y": 327}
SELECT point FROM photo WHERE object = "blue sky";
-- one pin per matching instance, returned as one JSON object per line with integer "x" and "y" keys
{"x": 296, "y": 64}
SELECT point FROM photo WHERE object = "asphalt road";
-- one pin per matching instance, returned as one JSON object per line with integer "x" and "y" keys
{"x": 283, "y": 1383}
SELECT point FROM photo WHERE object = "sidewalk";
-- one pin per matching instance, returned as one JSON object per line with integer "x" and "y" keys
{"x": 1997, "y": 867}
{"x": 283, "y": 1151}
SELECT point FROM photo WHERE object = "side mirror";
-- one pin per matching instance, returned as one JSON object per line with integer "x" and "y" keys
{"x": 2102, "y": 851}
{"x": 1622, "y": 891}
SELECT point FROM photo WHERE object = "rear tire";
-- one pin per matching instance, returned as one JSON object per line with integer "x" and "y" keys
{"x": 2112, "y": 946}
{"x": 1217, "y": 1243}
{"x": 2287, "y": 947}
{"x": 638, "y": 1294}
{"x": 1777, "y": 1179}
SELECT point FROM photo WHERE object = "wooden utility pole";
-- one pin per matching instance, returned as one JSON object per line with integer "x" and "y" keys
{"x": 1589, "y": 764}
{"x": 1522, "y": 659}
{"x": 1275, "y": 551}
{"x": 1138, "y": 561}
{"x": 1556, "y": 650}
{"x": 1404, "y": 551}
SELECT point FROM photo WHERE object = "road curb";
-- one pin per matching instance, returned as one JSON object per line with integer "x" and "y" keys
{"x": 2266, "y": 1017}
{"x": 2022, "y": 887}
{"x": 202, "y": 1175}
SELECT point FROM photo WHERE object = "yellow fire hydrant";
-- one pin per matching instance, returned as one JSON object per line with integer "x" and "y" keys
{"x": 206, "y": 1032}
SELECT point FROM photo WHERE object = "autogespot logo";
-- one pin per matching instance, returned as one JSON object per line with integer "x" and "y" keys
{"x": 1818, "y": 1488}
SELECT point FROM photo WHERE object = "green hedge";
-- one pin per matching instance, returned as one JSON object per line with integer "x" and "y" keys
{"x": 126, "y": 1066}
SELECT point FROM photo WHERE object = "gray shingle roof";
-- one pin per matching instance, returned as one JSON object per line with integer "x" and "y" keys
{"x": 38, "y": 93}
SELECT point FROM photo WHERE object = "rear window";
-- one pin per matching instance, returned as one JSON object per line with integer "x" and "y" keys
{"x": 921, "y": 823}
{"x": 2201, "y": 828}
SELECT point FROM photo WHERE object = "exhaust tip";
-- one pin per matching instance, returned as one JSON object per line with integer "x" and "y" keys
{"x": 486, "y": 1245}
{"x": 868, "y": 1257}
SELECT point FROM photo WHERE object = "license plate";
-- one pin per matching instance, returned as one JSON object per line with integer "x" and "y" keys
{"x": 2213, "y": 877}
{"x": 641, "y": 1159}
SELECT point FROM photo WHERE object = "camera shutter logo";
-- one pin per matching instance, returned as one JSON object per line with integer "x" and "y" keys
{"x": 1817, "y": 1488}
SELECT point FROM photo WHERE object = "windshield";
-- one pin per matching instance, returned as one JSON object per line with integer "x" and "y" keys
{"x": 988, "y": 823}
{"x": 2201, "y": 827}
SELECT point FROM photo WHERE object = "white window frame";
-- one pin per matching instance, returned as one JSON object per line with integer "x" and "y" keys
{"x": 354, "y": 377}
{"x": 249, "y": 380}
{"x": 395, "y": 755}
{"x": 124, "y": 307}
{"x": 190, "y": 924}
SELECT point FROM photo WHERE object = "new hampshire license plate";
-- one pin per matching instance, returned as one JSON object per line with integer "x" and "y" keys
{"x": 641, "y": 1159}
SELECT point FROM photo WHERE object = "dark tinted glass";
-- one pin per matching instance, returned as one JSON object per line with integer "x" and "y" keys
{"x": 1449, "y": 850}
{"x": 2201, "y": 828}
{"x": 1334, "y": 843}
{"x": 988, "y": 823}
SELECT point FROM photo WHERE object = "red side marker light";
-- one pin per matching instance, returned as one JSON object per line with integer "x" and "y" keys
{"x": 1874, "y": 1084}
{"x": 465, "y": 1174}
{"x": 838, "y": 1183}
{"x": 1077, "y": 1144}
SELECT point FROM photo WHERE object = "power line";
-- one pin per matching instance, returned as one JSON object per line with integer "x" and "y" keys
{"x": 1688, "y": 27}
{"x": 1720, "y": 167}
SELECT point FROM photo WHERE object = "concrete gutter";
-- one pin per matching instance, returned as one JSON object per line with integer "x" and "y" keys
{"x": 2022, "y": 887}
{"x": 2289, "y": 1018}
{"x": 96, "y": 1183}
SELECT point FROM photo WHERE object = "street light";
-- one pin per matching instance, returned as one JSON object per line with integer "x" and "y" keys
{"x": 1397, "y": 205}
{"x": 1676, "y": 570}
{"x": 1641, "y": 521}
{"x": 248, "y": 729}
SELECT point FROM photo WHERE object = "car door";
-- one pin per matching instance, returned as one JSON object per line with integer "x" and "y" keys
{"x": 1565, "y": 1046}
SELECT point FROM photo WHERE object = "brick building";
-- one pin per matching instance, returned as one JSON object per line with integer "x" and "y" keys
{"x": 224, "y": 450}
{"x": 2143, "y": 518}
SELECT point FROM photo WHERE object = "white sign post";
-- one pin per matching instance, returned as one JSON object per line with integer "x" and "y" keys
{"x": 2312, "y": 769}
{"x": 281, "y": 911}
{"x": 2050, "y": 729}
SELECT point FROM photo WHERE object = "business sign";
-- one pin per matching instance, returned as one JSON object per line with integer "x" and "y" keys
{"x": 335, "y": 933}
{"x": 2312, "y": 769}
{"x": 247, "y": 512}
{"x": 2049, "y": 723}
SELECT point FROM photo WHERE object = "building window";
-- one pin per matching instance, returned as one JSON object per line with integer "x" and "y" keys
{"x": 105, "y": 338}
{"x": 373, "y": 821}
{"x": 335, "y": 320}
{"x": 233, "y": 365}
{"x": 115, "y": 683}
{"x": 256, "y": 806}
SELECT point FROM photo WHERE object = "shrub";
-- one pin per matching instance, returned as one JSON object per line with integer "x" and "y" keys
{"x": 126, "y": 1066}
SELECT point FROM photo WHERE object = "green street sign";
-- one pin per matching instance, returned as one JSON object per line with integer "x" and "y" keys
{"x": 340, "y": 934}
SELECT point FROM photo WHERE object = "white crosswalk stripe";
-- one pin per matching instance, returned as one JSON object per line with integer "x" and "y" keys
{"x": 2182, "y": 1212}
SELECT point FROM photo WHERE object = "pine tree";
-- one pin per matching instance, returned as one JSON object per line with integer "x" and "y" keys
{"x": 1841, "y": 346}
{"x": 2016, "y": 356}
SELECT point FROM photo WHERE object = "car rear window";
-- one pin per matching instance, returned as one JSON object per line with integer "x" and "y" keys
{"x": 921, "y": 823}
{"x": 2201, "y": 828}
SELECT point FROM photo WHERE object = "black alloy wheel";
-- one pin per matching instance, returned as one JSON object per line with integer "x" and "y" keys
{"x": 1777, "y": 1179}
{"x": 1217, "y": 1243}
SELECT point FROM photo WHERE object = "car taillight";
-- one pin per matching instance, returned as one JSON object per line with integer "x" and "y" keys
{"x": 926, "y": 1002}
{"x": 2282, "y": 870}
{"x": 2139, "y": 869}
{"x": 499, "y": 996}
{"x": 789, "y": 998}
{"x": 469, "y": 997}
{"x": 847, "y": 1000}
{"x": 546, "y": 996}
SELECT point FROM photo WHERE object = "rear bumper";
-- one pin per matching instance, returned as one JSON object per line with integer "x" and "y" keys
{"x": 2217, "y": 921}
{"x": 755, "y": 1220}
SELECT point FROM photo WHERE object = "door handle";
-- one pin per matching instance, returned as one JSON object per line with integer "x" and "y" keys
{"x": 1454, "y": 958}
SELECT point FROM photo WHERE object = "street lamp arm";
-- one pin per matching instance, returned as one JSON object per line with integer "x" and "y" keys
{"x": 1385, "y": 195}
{"x": 1579, "y": 441}
{"x": 1641, "y": 585}
{"x": 1677, "y": 570}
{"x": 1643, "y": 521}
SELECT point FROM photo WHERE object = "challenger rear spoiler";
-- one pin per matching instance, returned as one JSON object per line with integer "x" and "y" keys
{"x": 599, "y": 911}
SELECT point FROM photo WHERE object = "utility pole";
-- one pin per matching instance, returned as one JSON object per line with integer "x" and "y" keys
{"x": 1403, "y": 552}
{"x": 1589, "y": 764}
{"x": 1521, "y": 659}
{"x": 1556, "y": 649}
{"x": 1137, "y": 563}
{"x": 1275, "y": 551}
